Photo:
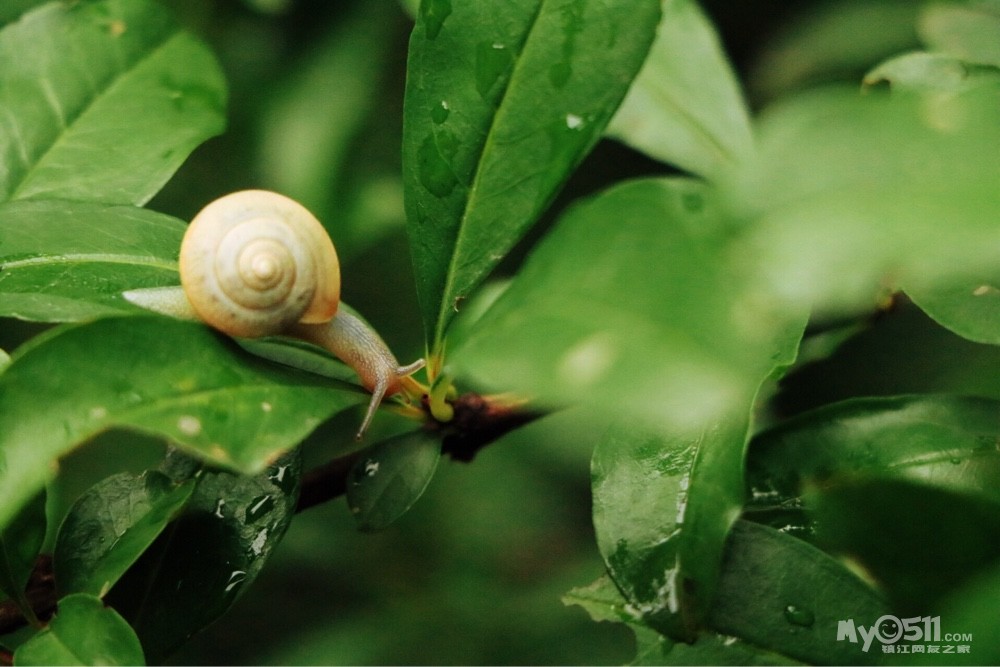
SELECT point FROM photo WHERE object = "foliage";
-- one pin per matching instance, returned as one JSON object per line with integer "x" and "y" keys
{"x": 772, "y": 454}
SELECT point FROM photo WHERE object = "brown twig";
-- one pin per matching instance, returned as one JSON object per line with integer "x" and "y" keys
{"x": 40, "y": 593}
{"x": 478, "y": 421}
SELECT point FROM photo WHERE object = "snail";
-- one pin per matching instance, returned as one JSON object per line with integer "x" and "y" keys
{"x": 256, "y": 263}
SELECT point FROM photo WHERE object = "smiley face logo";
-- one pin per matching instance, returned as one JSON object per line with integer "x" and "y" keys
{"x": 888, "y": 629}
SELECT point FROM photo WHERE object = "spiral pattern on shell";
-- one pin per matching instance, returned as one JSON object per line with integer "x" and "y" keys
{"x": 253, "y": 263}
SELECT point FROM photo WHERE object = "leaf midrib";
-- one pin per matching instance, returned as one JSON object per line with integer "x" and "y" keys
{"x": 450, "y": 278}
{"x": 100, "y": 94}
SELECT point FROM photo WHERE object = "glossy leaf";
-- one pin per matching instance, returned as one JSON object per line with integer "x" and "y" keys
{"x": 172, "y": 378}
{"x": 502, "y": 102}
{"x": 207, "y": 557}
{"x": 856, "y": 193}
{"x": 663, "y": 506}
{"x": 969, "y": 30}
{"x": 945, "y": 441}
{"x": 628, "y": 306}
{"x": 390, "y": 477}
{"x": 20, "y": 543}
{"x": 66, "y": 261}
{"x": 102, "y": 101}
{"x": 110, "y": 526}
{"x": 919, "y": 541}
{"x": 83, "y": 632}
{"x": 780, "y": 594}
{"x": 970, "y": 309}
{"x": 686, "y": 107}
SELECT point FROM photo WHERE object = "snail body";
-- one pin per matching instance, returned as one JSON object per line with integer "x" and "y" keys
{"x": 256, "y": 263}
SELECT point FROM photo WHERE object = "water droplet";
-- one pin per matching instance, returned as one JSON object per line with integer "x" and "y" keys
{"x": 259, "y": 507}
{"x": 257, "y": 546}
{"x": 433, "y": 163}
{"x": 493, "y": 64}
{"x": 98, "y": 412}
{"x": 573, "y": 121}
{"x": 955, "y": 460}
{"x": 439, "y": 113}
{"x": 799, "y": 616}
{"x": 235, "y": 579}
{"x": 266, "y": 407}
{"x": 189, "y": 425}
{"x": 371, "y": 468}
{"x": 433, "y": 13}
{"x": 218, "y": 508}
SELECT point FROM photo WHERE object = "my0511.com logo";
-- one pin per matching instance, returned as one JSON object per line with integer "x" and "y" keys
{"x": 921, "y": 634}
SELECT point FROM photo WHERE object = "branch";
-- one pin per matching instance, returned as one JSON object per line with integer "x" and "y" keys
{"x": 40, "y": 593}
{"x": 479, "y": 421}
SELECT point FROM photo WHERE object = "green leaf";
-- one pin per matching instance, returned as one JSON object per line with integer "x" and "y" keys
{"x": 102, "y": 101}
{"x": 110, "y": 526}
{"x": 207, "y": 557}
{"x": 946, "y": 441}
{"x": 4, "y": 360}
{"x": 856, "y": 193}
{"x": 663, "y": 506}
{"x": 502, "y": 102}
{"x": 968, "y": 30}
{"x": 780, "y": 594}
{"x": 83, "y": 632}
{"x": 970, "y": 309}
{"x": 710, "y": 649}
{"x": 628, "y": 306}
{"x": 685, "y": 107}
{"x": 390, "y": 477}
{"x": 918, "y": 540}
{"x": 176, "y": 379}
{"x": 922, "y": 71}
{"x": 67, "y": 261}
{"x": 20, "y": 543}
{"x": 602, "y": 601}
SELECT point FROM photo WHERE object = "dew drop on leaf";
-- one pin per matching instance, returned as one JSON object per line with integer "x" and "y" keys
{"x": 799, "y": 616}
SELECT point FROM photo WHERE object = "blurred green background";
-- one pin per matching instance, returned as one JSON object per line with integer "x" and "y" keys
{"x": 475, "y": 572}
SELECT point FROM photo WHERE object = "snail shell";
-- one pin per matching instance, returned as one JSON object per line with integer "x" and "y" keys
{"x": 254, "y": 262}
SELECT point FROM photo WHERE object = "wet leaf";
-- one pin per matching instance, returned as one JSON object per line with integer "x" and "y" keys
{"x": 686, "y": 107}
{"x": 67, "y": 261}
{"x": 502, "y": 102}
{"x": 103, "y": 101}
{"x": 663, "y": 506}
{"x": 110, "y": 526}
{"x": 176, "y": 379}
{"x": 948, "y": 442}
{"x": 390, "y": 477}
{"x": 780, "y": 594}
{"x": 208, "y": 556}
{"x": 83, "y": 632}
